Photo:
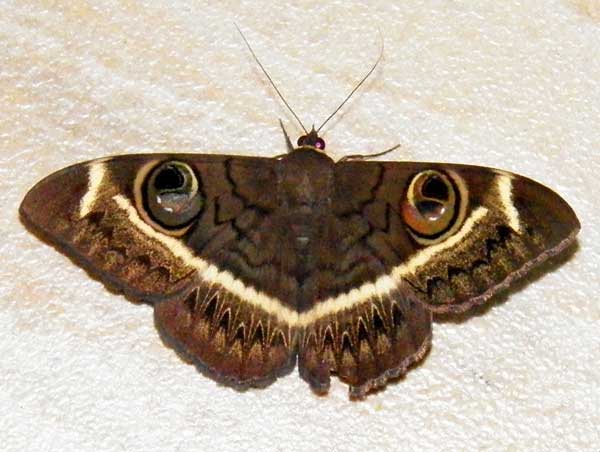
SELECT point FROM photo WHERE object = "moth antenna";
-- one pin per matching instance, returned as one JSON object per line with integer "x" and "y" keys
{"x": 270, "y": 79}
{"x": 358, "y": 85}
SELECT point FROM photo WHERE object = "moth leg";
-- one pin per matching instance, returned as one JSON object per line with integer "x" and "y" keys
{"x": 365, "y": 345}
{"x": 360, "y": 157}
{"x": 233, "y": 341}
{"x": 288, "y": 142}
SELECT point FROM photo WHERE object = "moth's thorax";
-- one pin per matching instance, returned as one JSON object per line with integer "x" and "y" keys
{"x": 305, "y": 178}
{"x": 305, "y": 185}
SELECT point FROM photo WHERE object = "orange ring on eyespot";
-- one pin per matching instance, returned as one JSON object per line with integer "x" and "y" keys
{"x": 430, "y": 205}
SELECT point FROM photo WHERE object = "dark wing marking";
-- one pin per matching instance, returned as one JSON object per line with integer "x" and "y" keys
{"x": 366, "y": 345}
{"x": 235, "y": 342}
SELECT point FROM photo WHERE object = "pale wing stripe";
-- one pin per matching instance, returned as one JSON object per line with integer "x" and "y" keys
{"x": 504, "y": 185}
{"x": 383, "y": 286}
{"x": 426, "y": 254}
{"x": 387, "y": 283}
{"x": 249, "y": 294}
{"x": 95, "y": 178}
{"x": 208, "y": 272}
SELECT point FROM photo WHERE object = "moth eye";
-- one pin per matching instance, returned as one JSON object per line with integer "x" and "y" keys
{"x": 430, "y": 206}
{"x": 320, "y": 143}
{"x": 173, "y": 196}
{"x": 301, "y": 140}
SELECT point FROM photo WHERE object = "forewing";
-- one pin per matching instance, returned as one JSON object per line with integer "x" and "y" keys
{"x": 502, "y": 225}
{"x": 407, "y": 239}
{"x": 216, "y": 284}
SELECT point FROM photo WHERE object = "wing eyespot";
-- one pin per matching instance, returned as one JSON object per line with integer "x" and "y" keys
{"x": 433, "y": 206}
{"x": 171, "y": 196}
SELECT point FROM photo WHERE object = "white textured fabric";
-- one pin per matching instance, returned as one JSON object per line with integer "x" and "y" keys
{"x": 509, "y": 84}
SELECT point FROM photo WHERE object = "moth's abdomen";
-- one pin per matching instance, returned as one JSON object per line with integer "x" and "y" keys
{"x": 305, "y": 187}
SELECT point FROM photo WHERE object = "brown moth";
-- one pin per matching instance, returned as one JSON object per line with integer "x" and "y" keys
{"x": 253, "y": 264}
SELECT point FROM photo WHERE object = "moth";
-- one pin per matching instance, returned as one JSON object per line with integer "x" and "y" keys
{"x": 254, "y": 264}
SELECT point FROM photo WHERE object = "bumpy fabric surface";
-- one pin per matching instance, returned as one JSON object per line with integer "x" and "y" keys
{"x": 510, "y": 84}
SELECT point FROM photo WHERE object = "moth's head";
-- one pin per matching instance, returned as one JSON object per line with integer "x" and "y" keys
{"x": 313, "y": 140}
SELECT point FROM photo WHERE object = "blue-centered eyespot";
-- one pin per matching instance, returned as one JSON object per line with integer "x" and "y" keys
{"x": 173, "y": 195}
